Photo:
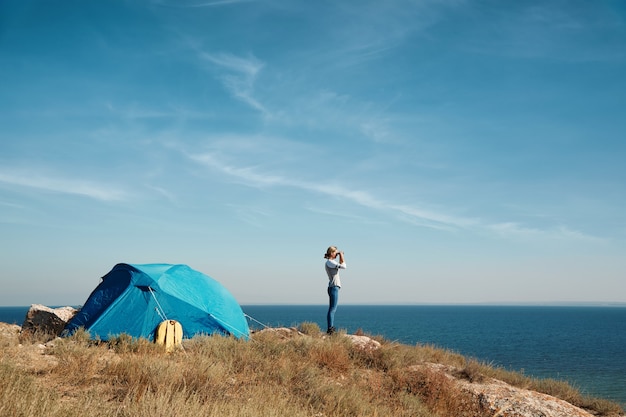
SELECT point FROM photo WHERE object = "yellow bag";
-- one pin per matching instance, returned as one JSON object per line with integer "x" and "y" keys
{"x": 169, "y": 334}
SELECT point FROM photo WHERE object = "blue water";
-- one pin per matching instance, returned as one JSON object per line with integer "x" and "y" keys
{"x": 585, "y": 346}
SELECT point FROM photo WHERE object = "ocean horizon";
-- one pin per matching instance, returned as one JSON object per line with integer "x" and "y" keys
{"x": 583, "y": 344}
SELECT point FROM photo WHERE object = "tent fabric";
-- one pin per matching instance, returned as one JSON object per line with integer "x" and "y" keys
{"x": 135, "y": 299}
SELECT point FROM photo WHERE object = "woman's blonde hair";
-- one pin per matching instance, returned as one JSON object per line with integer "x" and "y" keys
{"x": 330, "y": 250}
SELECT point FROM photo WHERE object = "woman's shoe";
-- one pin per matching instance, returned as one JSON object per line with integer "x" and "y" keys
{"x": 331, "y": 330}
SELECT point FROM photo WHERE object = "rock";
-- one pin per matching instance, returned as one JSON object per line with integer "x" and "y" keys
{"x": 48, "y": 320}
{"x": 9, "y": 331}
{"x": 285, "y": 333}
{"x": 363, "y": 342}
{"x": 282, "y": 332}
{"x": 503, "y": 399}
{"x": 499, "y": 399}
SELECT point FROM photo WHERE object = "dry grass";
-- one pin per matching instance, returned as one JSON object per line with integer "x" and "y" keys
{"x": 271, "y": 375}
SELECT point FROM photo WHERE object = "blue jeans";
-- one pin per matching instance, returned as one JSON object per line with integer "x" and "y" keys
{"x": 333, "y": 297}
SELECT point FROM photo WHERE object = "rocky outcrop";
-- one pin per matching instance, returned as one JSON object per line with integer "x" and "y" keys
{"x": 363, "y": 342}
{"x": 498, "y": 399}
{"x": 504, "y": 400}
{"x": 490, "y": 396}
{"x": 42, "y": 319}
{"x": 9, "y": 331}
{"x": 285, "y": 333}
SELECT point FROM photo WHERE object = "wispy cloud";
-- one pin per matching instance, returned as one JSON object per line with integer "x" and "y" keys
{"x": 370, "y": 30}
{"x": 547, "y": 30}
{"x": 201, "y": 4}
{"x": 250, "y": 215}
{"x": 83, "y": 188}
{"x": 11, "y": 205}
{"x": 439, "y": 220}
{"x": 517, "y": 231}
{"x": 164, "y": 193}
{"x": 134, "y": 111}
{"x": 342, "y": 214}
{"x": 218, "y": 3}
{"x": 239, "y": 75}
{"x": 253, "y": 176}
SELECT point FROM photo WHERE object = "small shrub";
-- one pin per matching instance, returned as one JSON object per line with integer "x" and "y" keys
{"x": 383, "y": 359}
{"x": 601, "y": 407}
{"x": 122, "y": 343}
{"x": 332, "y": 356}
{"x": 31, "y": 337}
{"x": 440, "y": 394}
{"x": 472, "y": 371}
{"x": 309, "y": 328}
{"x": 435, "y": 354}
{"x": 82, "y": 336}
{"x": 517, "y": 379}
{"x": 78, "y": 365}
{"x": 559, "y": 389}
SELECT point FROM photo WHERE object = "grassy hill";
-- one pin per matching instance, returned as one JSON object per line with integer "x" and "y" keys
{"x": 279, "y": 372}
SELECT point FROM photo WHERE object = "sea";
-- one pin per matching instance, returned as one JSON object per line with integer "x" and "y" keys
{"x": 583, "y": 345}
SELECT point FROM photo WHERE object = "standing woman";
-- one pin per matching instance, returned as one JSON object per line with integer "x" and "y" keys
{"x": 334, "y": 283}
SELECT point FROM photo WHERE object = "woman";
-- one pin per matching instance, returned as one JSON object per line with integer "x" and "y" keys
{"x": 334, "y": 283}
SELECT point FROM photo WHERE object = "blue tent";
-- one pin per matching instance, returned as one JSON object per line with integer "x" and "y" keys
{"x": 134, "y": 299}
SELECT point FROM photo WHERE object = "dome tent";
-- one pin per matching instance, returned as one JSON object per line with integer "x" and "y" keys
{"x": 135, "y": 299}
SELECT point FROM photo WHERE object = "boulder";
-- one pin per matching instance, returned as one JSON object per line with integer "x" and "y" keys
{"x": 9, "y": 331}
{"x": 498, "y": 399}
{"x": 502, "y": 399}
{"x": 42, "y": 319}
{"x": 283, "y": 333}
{"x": 364, "y": 342}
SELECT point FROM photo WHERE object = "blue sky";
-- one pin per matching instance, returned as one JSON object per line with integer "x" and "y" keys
{"x": 457, "y": 151}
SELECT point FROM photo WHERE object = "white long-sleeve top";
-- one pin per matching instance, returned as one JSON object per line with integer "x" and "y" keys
{"x": 332, "y": 270}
